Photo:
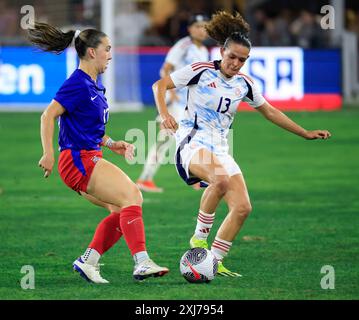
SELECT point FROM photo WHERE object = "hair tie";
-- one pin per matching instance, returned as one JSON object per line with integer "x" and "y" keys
{"x": 77, "y": 33}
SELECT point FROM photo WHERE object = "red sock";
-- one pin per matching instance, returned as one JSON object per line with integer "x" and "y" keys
{"x": 107, "y": 233}
{"x": 133, "y": 229}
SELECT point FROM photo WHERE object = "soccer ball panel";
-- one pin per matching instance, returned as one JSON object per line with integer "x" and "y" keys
{"x": 198, "y": 265}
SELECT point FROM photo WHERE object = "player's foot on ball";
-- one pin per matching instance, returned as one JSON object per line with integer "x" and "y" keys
{"x": 148, "y": 186}
{"x": 89, "y": 272}
{"x": 223, "y": 271}
{"x": 198, "y": 243}
{"x": 147, "y": 269}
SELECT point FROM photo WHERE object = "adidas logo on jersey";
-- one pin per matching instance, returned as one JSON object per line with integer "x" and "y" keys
{"x": 212, "y": 85}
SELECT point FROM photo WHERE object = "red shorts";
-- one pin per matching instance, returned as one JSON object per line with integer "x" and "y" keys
{"x": 75, "y": 167}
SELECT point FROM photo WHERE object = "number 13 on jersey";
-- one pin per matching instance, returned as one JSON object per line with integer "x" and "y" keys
{"x": 226, "y": 102}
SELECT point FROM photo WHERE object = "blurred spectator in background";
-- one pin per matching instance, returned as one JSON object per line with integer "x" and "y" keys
{"x": 41, "y": 14}
{"x": 9, "y": 23}
{"x": 352, "y": 21}
{"x": 178, "y": 22}
{"x": 163, "y": 22}
{"x": 159, "y": 32}
{"x": 258, "y": 26}
{"x": 153, "y": 35}
{"x": 77, "y": 18}
{"x": 307, "y": 31}
{"x": 130, "y": 24}
{"x": 282, "y": 22}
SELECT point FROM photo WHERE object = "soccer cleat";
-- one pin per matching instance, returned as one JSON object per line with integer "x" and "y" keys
{"x": 198, "y": 243}
{"x": 148, "y": 186}
{"x": 89, "y": 272}
{"x": 223, "y": 271}
{"x": 147, "y": 269}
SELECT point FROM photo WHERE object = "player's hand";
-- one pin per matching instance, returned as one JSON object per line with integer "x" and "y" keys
{"x": 317, "y": 134}
{"x": 169, "y": 123}
{"x": 47, "y": 163}
{"x": 124, "y": 149}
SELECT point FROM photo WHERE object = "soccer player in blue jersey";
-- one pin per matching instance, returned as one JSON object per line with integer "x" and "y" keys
{"x": 82, "y": 111}
{"x": 185, "y": 51}
{"x": 214, "y": 92}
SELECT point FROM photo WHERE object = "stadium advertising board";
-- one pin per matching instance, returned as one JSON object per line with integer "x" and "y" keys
{"x": 289, "y": 77}
{"x": 29, "y": 78}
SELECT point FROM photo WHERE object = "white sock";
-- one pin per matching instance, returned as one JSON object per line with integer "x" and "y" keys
{"x": 155, "y": 157}
{"x": 204, "y": 225}
{"x": 151, "y": 164}
{"x": 220, "y": 248}
{"x": 140, "y": 257}
{"x": 91, "y": 256}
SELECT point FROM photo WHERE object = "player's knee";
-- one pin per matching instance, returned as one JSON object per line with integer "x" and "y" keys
{"x": 133, "y": 196}
{"x": 243, "y": 210}
{"x": 221, "y": 184}
{"x": 112, "y": 208}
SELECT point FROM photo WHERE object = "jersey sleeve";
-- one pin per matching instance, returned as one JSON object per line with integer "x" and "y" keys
{"x": 71, "y": 95}
{"x": 189, "y": 74}
{"x": 253, "y": 97}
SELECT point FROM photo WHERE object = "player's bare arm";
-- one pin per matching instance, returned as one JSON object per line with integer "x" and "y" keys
{"x": 159, "y": 91}
{"x": 166, "y": 70}
{"x": 48, "y": 117}
{"x": 280, "y": 119}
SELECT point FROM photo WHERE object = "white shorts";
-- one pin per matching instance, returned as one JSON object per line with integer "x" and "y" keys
{"x": 186, "y": 151}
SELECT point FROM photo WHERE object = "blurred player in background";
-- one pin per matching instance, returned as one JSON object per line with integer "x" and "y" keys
{"x": 82, "y": 109}
{"x": 214, "y": 92}
{"x": 187, "y": 50}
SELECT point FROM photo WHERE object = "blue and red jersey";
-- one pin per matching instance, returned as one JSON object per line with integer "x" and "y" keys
{"x": 82, "y": 125}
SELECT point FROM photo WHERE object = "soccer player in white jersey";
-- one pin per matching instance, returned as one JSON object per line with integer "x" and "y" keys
{"x": 214, "y": 91}
{"x": 187, "y": 50}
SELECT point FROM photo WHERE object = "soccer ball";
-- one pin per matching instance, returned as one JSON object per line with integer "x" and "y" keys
{"x": 198, "y": 265}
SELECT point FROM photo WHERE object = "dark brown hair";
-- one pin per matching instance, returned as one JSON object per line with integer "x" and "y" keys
{"x": 52, "y": 39}
{"x": 225, "y": 27}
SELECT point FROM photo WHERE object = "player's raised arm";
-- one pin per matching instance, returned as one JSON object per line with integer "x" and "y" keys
{"x": 280, "y": 119}
{"x": 48, "y": 117}
{"x": 159, "y": 91}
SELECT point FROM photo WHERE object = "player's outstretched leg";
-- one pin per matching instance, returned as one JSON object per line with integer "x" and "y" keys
{"x": 239, "y": 208}
{"x": 111, "y": 185}
{"x": 132, "y": 226}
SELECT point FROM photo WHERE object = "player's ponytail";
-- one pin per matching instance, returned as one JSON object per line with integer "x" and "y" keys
{"x": 49, "y": 38}
{"x": 52, "y": 39}
{"x": 225, "y": 27}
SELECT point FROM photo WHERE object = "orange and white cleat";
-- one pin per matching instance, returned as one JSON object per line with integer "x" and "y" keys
{"x": 148, "y": 186}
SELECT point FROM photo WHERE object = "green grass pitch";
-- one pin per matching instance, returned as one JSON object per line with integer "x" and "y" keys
{"x": 305, "y": 197}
